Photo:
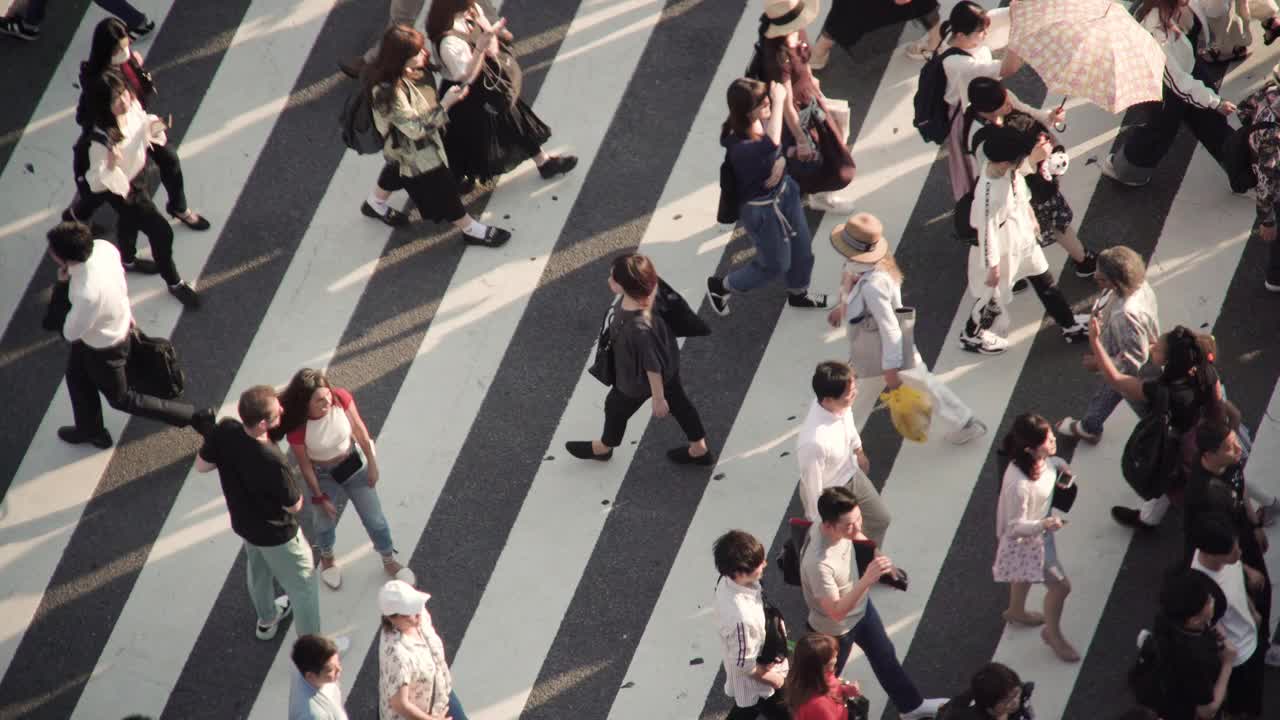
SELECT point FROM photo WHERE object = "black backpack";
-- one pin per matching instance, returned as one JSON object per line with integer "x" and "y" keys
{"x": 933, "y": 116}
{"x": 1152, "y": 459}
{"x": 153, "y": 367}
{"x": 1238, "y": 157}
{"x": 358, "y": 129}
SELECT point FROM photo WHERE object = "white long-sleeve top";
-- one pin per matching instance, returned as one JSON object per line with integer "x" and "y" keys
{"x": 100, "y": 314}
{"x": 455, "y": 52}
{"x": 1180, "y": 58}
{"x": 877, "y": 294}
{"x": 961, "y": 69}
{"x": 1003, "y": 215}
{"x": 1024, "y": 502}
{"x": 135, "y": 124}
{"x": 826, "y": 449}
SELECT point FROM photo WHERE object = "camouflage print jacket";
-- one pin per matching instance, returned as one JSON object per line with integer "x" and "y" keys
{"x": 1261, "y": 107}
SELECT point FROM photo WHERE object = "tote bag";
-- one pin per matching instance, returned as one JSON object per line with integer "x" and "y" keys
{"x": 865, "y": 350}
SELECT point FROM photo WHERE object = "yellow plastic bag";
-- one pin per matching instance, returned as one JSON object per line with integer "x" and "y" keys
{"x": 911, "y": 411}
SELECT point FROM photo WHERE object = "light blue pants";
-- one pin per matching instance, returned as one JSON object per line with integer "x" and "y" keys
{"x": 367, "y": 505}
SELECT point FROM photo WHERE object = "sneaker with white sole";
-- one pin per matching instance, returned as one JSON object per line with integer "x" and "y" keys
{"x": 985, "y": 343}
{"x": 918, "y": 51}
{"x": 831, "y": 202}
{"x": 1079, "y": 332}
{"x": 284, "y": 609}
{"x": 343, "y": 642}
{"x": 16, "y": 27}
{"x": 926, "y": 709}
{"x": 1107, "y": 166}
{"x": 718, "y": 295}
{"x": 1071, "y": 428}
{"x": 1271, "y": 286}
{"x": 971, "y": 430}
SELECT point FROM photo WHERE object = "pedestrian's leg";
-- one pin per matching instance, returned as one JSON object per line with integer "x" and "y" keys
{"x": 1017, "y": 611}
{"x": 1067, "y": 238}
{"x": 166, "y": 160}
{"x": 960, "y": 167}
{"x": 774, "y": 707}
{"x": 369, "y": 507}
{"x": 86, "y": 202}
{"x": 107, "y": 371}
{"x": 800, "y": 261}
{"x": 327, "y": 529}
{"x": 1272, "y": 281}
{"x": 402, "y": 12}
{"x": 455, "y": 707}
{"x": 1101, "y": 405}
{"x": 618, "y": 409}
{"x": 1052, "y": 299}
{"x": 1211, "y": 128}
{"x": 1146, "y": 144}
{"x": 86, "y": 405}
{"x": 687, "y": 415}
{"x": 262, "y": 590}
{"x": 34, "y": 14}
{"x": 160, "y": 234}
{"x": 293, "y": 568}
{"x": 131, "y": 15}
{"x": 128, "y": 222}
{"x": 1152, "y": 511}
{"x": 875, "y": 643}
{"x": 1055, "y": 597}
{"x": 773, "y": 256}
{"x": 946, "y": 404}
{"x": 844, "y": 647}
{"x": 875, "y": 512}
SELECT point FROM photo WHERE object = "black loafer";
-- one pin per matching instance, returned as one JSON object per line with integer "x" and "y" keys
{"x": 394, "y": 217}
{"x": 1130, "y": 517}
{"x": 200, "y": 223}
{"x": 493, "y": 237}
{"x": 75, "y": 436}
{"x": 140, "y": 31}
{"x": 142, "y": 266}
{"x": 681, "y": 456}
{"x": 581, "y": 449}
{"x": 185, "y": 294}
{"x": 557, "y": 165}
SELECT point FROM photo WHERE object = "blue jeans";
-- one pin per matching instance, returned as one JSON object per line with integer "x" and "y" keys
{"x": 128, "y": 14}
{"x": 1101, "y": 405}
{"x": 455, "y": 707}
{"x": 782, "y": 240}
{"x": 869, "y": 635}
{"x": 364, "y": 498}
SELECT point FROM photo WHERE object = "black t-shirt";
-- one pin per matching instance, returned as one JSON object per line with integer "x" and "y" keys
{"x": 1206, "y": 493}
{"x": 1184, "y": 403}
{"x": 642, "y": 345}
{"x": 257, "y": 482}
{"x": 1188, "y": 667}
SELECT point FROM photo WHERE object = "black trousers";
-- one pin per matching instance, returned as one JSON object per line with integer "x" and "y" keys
{"x": 1055, "y": 303}
{"x": 435, "y": 192}
{"x": 1147, "y": 144}
{"x": 170, "y": 167}
{"x": 771, "y": 707}
{"x": 849, "y": 20}
{"x": 91, "y": 371}
{"x": 137, "y": 212}
{"x": 618, "y": 409}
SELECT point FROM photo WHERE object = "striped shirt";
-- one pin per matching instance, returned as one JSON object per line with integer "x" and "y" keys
{"x": 740, "y": 613}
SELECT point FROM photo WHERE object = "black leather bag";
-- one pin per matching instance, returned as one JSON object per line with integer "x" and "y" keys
{"x": 343, "y": 471}
{"x": 774, "y": 648}
{"x": 602, "y": 367}
{"x": 1065, "y": 497}
{"x": 677, "y": 313}
{"x": 153, "y": 367}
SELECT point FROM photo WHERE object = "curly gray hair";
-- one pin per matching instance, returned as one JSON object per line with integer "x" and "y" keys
{"x": 1123, "y": 268}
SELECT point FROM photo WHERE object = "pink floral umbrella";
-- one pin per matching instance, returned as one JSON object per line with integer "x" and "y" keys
{"x": 1090, "y": 49}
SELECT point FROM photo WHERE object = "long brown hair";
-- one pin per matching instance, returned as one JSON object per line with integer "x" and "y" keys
{"x": 1168, "y": 9}
{"x": 636, "y": 275}
{"x": 744, "y": 95}
{"x": 400, "y": 43}
{"x": 808, "y": 676}
{"x": 890, "y": 265}
{"x": 295, "y": 400}
{"x": 442, "y": 14}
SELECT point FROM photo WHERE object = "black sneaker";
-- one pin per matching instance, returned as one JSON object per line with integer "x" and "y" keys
{"x": 1079, "y": 332}
{"x": 141, "y": 31}
{"x": 582, "y": 450}
{"x": 1087, "y": 267}
{"x": 142, "y": 266}
{"x": 557, "y": 165}
{"x": 1021, "y": 285}
{"x": 393, "y": 217}
{"x": 806, "y": 300}
{"x": 75, "y": 436}
{"x": 493, "y": 237}
{"x": 15, "y": 27}
{"x": 284, "y": 608}
{"x": 718, "y": 295}
{"x": 185, "y": 294}
{"x": 1130, "y": 517}
{"x": 1271, "y": 286}
{"x": 681, "y": 456}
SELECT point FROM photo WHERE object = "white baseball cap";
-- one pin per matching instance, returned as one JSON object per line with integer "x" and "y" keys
{"x": 398, "y": 597}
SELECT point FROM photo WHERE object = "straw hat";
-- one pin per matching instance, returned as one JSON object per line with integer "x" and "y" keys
{"x": 860, "y": 239}
{"x": 788, "y": 16}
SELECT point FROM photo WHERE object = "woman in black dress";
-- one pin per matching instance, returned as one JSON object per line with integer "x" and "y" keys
{"x": 849, "y": 20}
{"x": 646, "y": 361}
{"x": 492, "y": 130}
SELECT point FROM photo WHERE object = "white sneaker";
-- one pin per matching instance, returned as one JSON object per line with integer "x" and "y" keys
{"x": 831, "y": 202}
{"x": 1107, "y": 166}
{"x": 971, "y": 430}
{"x": 1079, "y": 332}
{"x": 926, "y": 709}
{"x": 283, "y": 610}
{"x": 343, "y": 642}
{"x": 985, "y": 342}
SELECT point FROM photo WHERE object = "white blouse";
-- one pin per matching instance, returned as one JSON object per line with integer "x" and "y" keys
{"x": 878, "y": 295}
{"x": 1023, "y": 502}
{"x": 455, "y": 52}
{"x": 329, "y": 437}
{"x": 135, "y": 124}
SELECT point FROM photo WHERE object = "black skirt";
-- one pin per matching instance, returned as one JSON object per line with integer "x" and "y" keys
{"x": 488, "y": 134}
{"x": 849, "y": 20}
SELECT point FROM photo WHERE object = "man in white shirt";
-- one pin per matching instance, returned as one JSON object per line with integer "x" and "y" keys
{"x": 314, "y": 693}
{"x": 839, "y": 606}
{"x": 99, "y": 329}
{"x": 1218, "y": 556}
{"x": 739, "y": 607}
{"x": 830, "y": 452}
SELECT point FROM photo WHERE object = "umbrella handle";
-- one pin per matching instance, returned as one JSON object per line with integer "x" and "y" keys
{"x": 1062, "y": 126}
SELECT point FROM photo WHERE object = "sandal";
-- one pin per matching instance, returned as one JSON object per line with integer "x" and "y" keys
{"x": 493, "y": 237}
{"x": 1070, "y": 427}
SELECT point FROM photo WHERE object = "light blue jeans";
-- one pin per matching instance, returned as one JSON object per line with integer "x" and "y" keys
{"x": 782, "y": 240}
{"x": 364, "y": 498}
{"x": 455, "y": 707}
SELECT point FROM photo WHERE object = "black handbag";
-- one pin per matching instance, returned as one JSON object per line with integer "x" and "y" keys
{"x": 774, "y": 648}
{"x": 55, "y": 316}
{"x": 153, "y": 367}
{"x": 676, "y": 312}
{"x": 602, "y": 367}
{"x": 343, "y": 471}
{"x": 1065, "y": 497}
{"x": 864, "y": 551}
{"x": 859, "y": 707}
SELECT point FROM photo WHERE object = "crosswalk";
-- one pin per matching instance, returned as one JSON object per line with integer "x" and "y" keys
{"x": 562, "y": 589}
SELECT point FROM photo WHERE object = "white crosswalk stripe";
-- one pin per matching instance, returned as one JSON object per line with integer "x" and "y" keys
{"x": 522, "y": 611}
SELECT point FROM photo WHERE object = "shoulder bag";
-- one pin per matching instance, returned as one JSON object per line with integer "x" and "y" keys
{"x": 153, "y": 367}
{"x": 676, "y": 312}
{"x": 602, "y": 367}
{"x": 865, "y": 351}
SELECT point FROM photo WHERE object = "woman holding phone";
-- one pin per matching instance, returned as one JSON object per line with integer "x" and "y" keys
{"x": 337, "y": 458}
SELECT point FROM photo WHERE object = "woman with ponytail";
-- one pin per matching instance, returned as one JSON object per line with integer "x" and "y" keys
{"x": 1178, "y": 28}
{"x": 966, "y": 31}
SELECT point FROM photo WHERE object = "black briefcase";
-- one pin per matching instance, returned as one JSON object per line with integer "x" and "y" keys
{"x": 153, "y": 367}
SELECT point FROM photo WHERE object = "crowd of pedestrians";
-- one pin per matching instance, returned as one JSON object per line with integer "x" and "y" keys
{"x": 446, "y": 103}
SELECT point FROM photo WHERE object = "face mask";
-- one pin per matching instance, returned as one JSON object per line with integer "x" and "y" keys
{"x": 120, "y": 57}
